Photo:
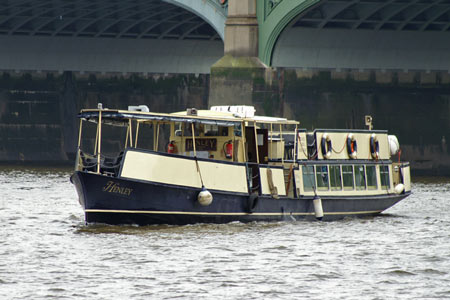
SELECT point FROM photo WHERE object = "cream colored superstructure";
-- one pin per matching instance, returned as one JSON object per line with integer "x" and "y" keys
{"x": 302, "y": 146}
{"x": 183, "y": 171}
{"x": 220, "y": 141}
{"x": 277, "y": 181}
{"x": 339, "y": 144}
{"x": 227, "y": 152}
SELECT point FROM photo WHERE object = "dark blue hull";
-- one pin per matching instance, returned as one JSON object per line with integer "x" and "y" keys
{"x": 123, "y": 201}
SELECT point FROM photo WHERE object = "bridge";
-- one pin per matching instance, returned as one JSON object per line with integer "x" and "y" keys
{"x": 189, "y": 36}
{"x": 326, "y": 63}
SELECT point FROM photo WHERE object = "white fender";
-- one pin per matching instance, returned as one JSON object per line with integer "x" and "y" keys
{"x": 318, "y": 210}
{"x": 399, "y": 188}
{"x": 205, "y": 198}
{"x": 394, "y": 145}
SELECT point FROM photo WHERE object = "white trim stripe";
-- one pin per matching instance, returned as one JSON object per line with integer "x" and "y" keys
{"x": 224, "y": 213}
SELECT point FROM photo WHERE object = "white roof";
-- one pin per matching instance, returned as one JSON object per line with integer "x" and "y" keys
{"x": 241, "y": 111}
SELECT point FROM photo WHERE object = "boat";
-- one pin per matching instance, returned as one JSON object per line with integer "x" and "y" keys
{"x": 227, "y": 164}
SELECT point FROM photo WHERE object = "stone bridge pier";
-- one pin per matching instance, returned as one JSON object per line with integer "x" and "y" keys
{"x": 235, "y": 74}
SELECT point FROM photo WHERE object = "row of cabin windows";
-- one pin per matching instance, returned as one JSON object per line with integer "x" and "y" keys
{"x": 346, "y": 177}
{"x": 185, "y": 129}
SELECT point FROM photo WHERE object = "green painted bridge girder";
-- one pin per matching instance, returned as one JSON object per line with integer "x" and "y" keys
{"x": 212, "y": 11}
{"x": 273, "y": 16}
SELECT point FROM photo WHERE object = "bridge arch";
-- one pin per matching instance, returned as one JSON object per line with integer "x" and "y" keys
{"x": 273, "y": 17}
{"x": 365, "y": 35}
{"x": 111, "y": 36}
{"x": 211, "y": 11}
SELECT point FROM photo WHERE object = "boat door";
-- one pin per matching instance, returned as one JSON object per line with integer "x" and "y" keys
{"x": 261, "y": 152}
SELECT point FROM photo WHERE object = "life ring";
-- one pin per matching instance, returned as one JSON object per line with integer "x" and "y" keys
{"x": 325, "y": 146}
{"x": 374, "y": 146}
{"x": 352, "y": 146}
{"x": 252, "y": 202}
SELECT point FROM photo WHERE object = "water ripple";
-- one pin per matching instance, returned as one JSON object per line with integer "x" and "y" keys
{"x": 46, "y": 251}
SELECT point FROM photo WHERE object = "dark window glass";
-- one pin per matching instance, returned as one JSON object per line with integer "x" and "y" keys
{"x": 384, "y": 176}
{"x": 308, "y": 178}
{"x": 335, "y": 178}
{"x": 322, "y": 178}
{"x": 347, "y": 176}
{"x": 360, "y": 177}
{"x": 371, "y": 172}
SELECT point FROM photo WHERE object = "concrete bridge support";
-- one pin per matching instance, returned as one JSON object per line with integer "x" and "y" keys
{"x": 241, "y": 29}
{"x": 233, "y": 77}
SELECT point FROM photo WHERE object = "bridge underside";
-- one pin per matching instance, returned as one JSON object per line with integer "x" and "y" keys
{"x": 368, "y": 35}
{"x": 106, "y": 36}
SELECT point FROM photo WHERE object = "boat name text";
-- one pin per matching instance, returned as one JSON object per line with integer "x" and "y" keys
{"x": 201, "y": 144}
{"x": 113, "y": 187}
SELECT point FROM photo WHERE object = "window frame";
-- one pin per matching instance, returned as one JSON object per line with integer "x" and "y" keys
{"x": 358, "y": 186}
{"x": 331, "y": 176}
{"x": 312, "y": 178}
{"x": 374, "y": 177}
{"x": 352, "y": 173}
{"x": 388, "y": 183}
{"x": 323, "y": 178}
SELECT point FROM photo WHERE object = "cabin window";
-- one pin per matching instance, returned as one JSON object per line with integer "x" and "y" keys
{"x": 178, "y": 128}
{"x": 360, "y": 177}
{"x": 347, "y": 177}
{"x": 322, "y": 178}
{"x": 308, "y": 178}
{"x": 384, "y": 176}
{"x": 237, "y": 130}
{"x": 187, "y": 129}
{"x": 335, "y": 178}
{"x": 146, "y": 138}
{"x": 371, "y": 173}
{"x": 214, "y": 130}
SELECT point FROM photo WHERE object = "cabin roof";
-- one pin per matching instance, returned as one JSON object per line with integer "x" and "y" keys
{"x": 235, "y": 116}
{"x": 203, "y": 116}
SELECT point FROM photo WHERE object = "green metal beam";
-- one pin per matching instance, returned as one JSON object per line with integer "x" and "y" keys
{"x": 213, "y": 12}
{"x": 273, "y": 17}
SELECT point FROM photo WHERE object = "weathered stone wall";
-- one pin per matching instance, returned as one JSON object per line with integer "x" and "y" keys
{"x": 415, "y": 108}
{"x": 38, "y": 112}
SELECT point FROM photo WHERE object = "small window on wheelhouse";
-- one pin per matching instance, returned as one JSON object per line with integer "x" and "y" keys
{"x": 322, "y": 178}
{"x": 347, "y": 177}
{"x": 308, "y": 178}
{"x": 384, "y": 176}
{"x": 335, "y": 178}
{"x": 360, "y": 177}
{"x": 371, "y": 173}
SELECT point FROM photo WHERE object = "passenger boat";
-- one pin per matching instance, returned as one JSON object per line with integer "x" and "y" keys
{"x": 227, "y": 164}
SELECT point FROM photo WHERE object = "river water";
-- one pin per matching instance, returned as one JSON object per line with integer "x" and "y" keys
{"x": 47, "y": 252}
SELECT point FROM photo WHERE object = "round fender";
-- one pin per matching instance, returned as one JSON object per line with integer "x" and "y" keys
{"x": 399, "y": 188}
{"x": 352, "y": 146}
{"x": 326, "y": 146}
{"x": 205, "y": 198}
{"x": 252, "y": 202}
{"x": 374, "y": 146}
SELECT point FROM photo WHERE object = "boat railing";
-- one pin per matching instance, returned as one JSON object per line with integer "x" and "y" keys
{"x": 109, "y": 165}
{"x": 397, "y": 173}
{"x": 87, "y": 162}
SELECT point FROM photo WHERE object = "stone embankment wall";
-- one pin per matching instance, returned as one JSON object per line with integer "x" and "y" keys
{"x": 413, "y": 106}
{"x": 38, "y": 120}
{"x": 38, "y": 112}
